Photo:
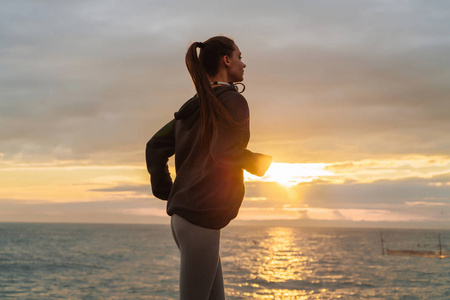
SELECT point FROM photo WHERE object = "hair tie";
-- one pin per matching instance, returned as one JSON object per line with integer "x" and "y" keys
{"x": 200, "y": 45}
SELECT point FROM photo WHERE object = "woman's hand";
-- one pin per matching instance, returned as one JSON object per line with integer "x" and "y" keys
{"x": 260, "y": 164}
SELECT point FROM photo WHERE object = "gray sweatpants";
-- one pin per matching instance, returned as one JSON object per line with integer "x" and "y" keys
{"x": 200, "y": 269}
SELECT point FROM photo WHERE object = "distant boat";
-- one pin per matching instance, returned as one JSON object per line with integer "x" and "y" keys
{"x": 415, "y": 252}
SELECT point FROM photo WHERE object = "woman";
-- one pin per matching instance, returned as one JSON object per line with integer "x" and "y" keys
{"x": 208, "y": 136}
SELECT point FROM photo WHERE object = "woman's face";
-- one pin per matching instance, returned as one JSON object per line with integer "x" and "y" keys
{"x": 236, "y": 66}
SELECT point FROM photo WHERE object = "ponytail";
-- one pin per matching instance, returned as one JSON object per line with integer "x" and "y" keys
{"x": 211, "y": 110}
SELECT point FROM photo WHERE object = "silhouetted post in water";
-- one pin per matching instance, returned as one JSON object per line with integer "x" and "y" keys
{"x": 440, "y": 247}
{"x": 382, "y": 243}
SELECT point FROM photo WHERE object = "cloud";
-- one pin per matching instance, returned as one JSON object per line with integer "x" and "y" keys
{"x": 426, "y": 203}
{"x": 382, "y": 192}
{"x": 62, "y": 76}
{"x": 376, "y": 169}
{"x": 124, "y": 188}
{"x": 83, "y": 80}
{"x": 408, "y": 199}
{"x": 112, "y": 211}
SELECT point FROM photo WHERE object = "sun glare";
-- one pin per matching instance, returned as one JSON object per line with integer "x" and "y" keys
{"x": 289, "y": 175}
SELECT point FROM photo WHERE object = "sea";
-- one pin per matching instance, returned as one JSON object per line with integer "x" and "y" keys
{"x": 112, "y": 261}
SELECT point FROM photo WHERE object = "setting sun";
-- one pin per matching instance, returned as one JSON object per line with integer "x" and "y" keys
{"x": 289, "y": 175}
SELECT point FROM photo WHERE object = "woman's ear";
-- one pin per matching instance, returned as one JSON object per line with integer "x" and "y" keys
{"x": 226, "y": 60}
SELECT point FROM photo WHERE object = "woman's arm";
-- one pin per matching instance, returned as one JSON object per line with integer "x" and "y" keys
{"x": 228, "y": 144}
{"x": 159, "y": 148}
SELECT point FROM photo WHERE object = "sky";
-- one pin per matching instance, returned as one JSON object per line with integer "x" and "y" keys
{"x": 351, "y": 98}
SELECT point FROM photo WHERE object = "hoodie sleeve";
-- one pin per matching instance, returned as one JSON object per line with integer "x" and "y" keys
{"x": 228, "y": 145}
{"x": 159, "y": 148}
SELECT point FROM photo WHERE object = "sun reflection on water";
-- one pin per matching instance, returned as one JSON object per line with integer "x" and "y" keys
{"x": 282, "y": 260}
{"x": 281, "y": 263}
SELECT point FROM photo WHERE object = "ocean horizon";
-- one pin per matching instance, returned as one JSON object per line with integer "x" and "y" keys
{"x": 141, "y": 261}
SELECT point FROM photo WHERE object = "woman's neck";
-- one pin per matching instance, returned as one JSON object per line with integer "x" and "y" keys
{"x": 221, "y": 76}
{"x": 217, "y": 83}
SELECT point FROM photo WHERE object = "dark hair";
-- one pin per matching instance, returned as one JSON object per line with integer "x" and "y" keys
{"x": 200, "y": 67}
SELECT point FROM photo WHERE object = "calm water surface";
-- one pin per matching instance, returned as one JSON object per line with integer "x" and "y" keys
{"x": 84, "y": 261}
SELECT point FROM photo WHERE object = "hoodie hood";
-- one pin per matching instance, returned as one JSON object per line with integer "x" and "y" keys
{"x": 187, "y": 109}
{"x": 189, "y": 112}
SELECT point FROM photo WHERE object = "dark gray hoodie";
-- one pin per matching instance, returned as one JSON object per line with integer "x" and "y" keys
{"x": 208, "y": 189}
